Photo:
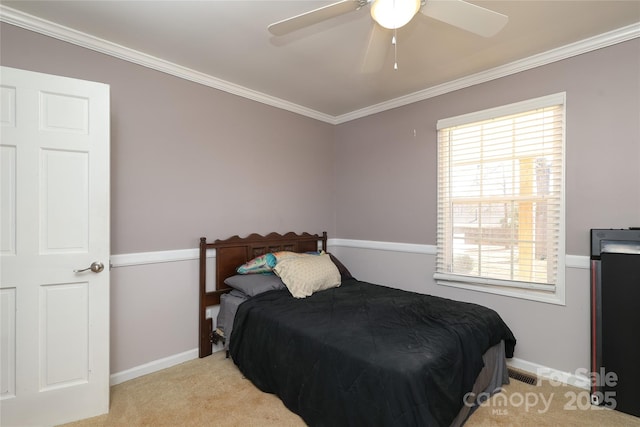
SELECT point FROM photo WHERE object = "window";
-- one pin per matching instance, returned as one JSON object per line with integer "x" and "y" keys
{"x": 501, "y": 200}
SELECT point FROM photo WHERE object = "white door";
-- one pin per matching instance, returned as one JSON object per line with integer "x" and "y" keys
{"x": 54, "y": 219}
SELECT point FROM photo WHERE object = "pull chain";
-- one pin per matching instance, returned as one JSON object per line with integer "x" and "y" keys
{"x": 394, "y": 42}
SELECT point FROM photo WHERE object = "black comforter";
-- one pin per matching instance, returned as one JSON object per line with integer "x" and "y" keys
{"x": 365, "y": 355}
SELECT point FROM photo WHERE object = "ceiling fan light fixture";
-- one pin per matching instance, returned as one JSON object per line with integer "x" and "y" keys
{"x": 394, "y": 14}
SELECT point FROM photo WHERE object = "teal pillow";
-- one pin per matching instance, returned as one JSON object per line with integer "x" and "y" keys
{"x": 261, "y": 264}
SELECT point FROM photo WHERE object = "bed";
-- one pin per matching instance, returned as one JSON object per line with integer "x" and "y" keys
{"x": 354, "y": 353}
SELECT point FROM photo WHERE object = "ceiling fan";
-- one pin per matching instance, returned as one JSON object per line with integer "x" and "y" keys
{"x": 394, "y": 14}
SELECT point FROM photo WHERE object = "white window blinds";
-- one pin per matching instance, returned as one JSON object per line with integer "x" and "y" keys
{"x": 501, "y": 196}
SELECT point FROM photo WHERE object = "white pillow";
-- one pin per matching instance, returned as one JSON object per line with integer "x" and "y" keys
{"x": 305, "y": 275}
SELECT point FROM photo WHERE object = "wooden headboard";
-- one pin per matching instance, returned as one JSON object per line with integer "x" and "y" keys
{"x": 232, "y": 253}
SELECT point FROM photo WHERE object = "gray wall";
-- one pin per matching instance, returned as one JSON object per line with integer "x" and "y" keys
{"x": 186, "y": 161}
{"x": 189, "y": 160}
{"x": 178, "y": 147}
{"x": 387, "y": 176}
{"x": 387, "y": 188}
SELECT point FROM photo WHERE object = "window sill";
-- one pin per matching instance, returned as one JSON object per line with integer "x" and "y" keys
{"x": 550, "y": 297}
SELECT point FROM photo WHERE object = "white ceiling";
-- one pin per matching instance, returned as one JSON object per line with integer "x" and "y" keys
{"x": 317, "y": 70}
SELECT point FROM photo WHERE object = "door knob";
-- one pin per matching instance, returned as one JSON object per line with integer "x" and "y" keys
{"x": 96, "y": 267}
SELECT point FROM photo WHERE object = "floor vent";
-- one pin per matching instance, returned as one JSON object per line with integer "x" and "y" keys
{"x": 523, "y": 376}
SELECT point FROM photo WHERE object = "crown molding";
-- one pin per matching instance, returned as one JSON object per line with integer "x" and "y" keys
{"x": 51, "y": 29}
{"x": 587, "y": 45}
{"x": 60, "y": 32}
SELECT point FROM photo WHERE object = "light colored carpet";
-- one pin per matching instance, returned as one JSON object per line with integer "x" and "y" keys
{"x": 213, "y": 392}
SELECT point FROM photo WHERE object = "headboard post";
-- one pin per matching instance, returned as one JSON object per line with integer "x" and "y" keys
{"x": 205, "y": 326}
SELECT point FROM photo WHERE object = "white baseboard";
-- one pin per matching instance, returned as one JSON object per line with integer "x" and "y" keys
{"x": 157, "y": 365}
{"x": 550, "y": 373}
{"x": 176, "y": 359}
{"x": 154, "y": 366}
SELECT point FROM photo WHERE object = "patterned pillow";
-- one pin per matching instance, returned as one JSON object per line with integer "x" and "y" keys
{"x": 288, "y": 254}
{"x": 261, "y": 264}
{"x": 265, "y": 263}
{"x": 305, "y": 275}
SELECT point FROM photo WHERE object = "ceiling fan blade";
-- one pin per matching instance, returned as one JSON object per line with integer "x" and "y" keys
{"x": 467, "y": 16}
{"x": 306, "y": 19}
{"x": 377, "y": 49}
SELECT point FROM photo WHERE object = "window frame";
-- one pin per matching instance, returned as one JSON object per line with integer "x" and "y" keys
{"x": 526, "y": 290}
